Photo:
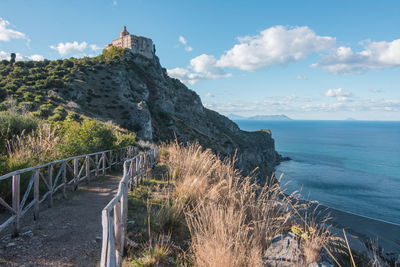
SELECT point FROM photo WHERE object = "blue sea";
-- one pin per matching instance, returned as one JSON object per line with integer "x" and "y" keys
{"x": 352, "y": 166}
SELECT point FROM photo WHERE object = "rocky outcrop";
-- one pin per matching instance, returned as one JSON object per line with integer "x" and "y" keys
{"x": 136, "y": 93}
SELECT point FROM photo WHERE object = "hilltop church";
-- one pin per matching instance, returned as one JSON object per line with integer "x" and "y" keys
{"x": 137, "y": 44}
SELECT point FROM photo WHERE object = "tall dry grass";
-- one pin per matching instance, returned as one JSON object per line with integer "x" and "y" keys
{"x": 37, "y": 146}
{"x": 231, "y": 219}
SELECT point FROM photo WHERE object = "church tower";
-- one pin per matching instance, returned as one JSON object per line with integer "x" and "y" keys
{"x": 124, "y": 32}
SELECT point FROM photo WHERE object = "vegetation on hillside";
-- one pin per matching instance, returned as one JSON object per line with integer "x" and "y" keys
{"x": 40, "y": 86}
{"x": 27, "y": 141}
{"x": 36, "y": 124}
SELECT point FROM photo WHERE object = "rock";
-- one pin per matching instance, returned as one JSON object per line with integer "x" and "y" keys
{"x": 140, "y": 96}
{"x": 283, "y": 251}
{"x": 27, "y": 233}
{"x": 11, "y": 244}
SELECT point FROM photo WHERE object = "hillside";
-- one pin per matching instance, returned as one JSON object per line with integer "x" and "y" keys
{"x": 135, "y": 93}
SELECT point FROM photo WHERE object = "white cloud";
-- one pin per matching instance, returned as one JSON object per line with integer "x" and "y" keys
{"x": 209, "y": 95}
{"x": 36, "y": 57}
{"x": 94, "y": 47}
{"x": 182, "y": 40}
{"x": 6, "y": 34}
{"x": 278, "y": 45}
{"x": 288, "y": 104}
{"x": 339, "y": 94}
{"x": 376, "y": 55}
{"x": 202, "y": 67}
{"x": 69, "y": 48}
{"x": 20, "y": 57}
{"x": 375, "y": 90}
{"x": 301, "y": 77}
{"x": 115, "y": 2}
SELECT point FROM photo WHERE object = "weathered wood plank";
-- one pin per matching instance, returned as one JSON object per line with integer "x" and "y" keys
{"x": 7, "y": 222}
{"x": 64, "y": 180}
{"x": 2, "y": 202}
{"x": 51, "y": 185}
{"x": 96, "y": 165}
{"x": 118, "y": 232}
{"x": 27, "y": 191}
{"x": 88, "y": 168}
{"x": 104, "y": 246}
{"x": 15, "y": 203}
{"x": 75, "y": 174}
{"x": 103, "y": 156}
{"x": 36, "y": 196}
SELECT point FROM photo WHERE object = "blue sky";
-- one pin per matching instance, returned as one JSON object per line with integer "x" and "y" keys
{"x": 306, "y": 59}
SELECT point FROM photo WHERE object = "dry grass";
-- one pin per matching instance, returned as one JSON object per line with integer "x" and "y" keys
{"x": 232, "y": 220}
{"x": 38, "y": 146}
{"x": 156, "y": 253}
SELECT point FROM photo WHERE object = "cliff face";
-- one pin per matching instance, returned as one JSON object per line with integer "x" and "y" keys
{"x": 137, "y": 94}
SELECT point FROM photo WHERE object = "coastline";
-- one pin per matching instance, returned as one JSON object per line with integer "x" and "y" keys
{"x": 365, "y": 229}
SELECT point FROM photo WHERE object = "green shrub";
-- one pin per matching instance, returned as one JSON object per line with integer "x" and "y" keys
{"x": 59, "y": 114}
{"x": 44, "y": 111}
{"x": 113, "y": 53}
{"x": 12, "y": 124}
{"x": 85, "y": 137}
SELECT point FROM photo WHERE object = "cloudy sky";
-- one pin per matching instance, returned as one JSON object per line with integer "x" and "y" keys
{"x": 306, "y": 59}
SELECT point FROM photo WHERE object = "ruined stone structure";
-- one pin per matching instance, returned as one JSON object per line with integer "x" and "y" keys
{"x": 137, "y": 44}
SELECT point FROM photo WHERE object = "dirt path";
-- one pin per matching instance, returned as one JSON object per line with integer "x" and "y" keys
{"x": 68, "y": 234}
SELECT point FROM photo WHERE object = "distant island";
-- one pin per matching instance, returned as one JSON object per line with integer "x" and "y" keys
{"x": 350, "y": 119}
{"x": 280, "y": 117}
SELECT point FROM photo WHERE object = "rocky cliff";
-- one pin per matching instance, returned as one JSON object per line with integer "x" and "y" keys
{"x": 136, "y": 93}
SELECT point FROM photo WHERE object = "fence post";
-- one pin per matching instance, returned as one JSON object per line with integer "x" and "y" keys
{"x": 104, "y": 162}
{"x": 88, "y": 169}
{"x": 64, "y": 179}
{"x": 110, "y": 160}
{"x": 75, "y": 173}
{"x": 97, "y": 165}
{"x": 118, "y": 233}
{"x": 15, "y": 203}
{"x": 36, "y": 195}
{"x": 131, "y": 175}
{"x": 51, "y": 185}
{"x": 124, "y": 217}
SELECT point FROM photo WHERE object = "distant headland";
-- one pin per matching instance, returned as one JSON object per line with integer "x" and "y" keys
{"x": 280, "y": 117}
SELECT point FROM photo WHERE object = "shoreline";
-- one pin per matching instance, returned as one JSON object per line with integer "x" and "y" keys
{"x": 365, "y": 229}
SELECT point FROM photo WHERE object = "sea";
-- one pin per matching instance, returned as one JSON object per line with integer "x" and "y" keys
{"x": 352, "y": 166}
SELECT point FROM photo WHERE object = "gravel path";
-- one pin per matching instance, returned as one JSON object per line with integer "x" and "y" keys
{"x": 68, "y": 234}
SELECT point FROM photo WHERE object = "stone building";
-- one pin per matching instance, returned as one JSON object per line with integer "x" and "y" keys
{"x": 137, "y": 44}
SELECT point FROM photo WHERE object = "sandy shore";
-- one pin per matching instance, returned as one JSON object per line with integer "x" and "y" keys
{"x": 366, "y": 229}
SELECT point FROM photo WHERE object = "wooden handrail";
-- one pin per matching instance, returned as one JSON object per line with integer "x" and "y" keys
{"x": 44, "y": 174}
{"x": 115, "y": 214}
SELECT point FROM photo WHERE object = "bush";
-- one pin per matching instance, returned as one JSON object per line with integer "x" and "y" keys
{"x": 85, "y": 137}
{"x": 12, "y": 124}
{"x": 113, "y": 53}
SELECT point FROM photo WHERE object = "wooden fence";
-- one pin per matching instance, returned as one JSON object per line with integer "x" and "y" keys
{"x": 51, "y": 177}
{"x": 115, "y": 214}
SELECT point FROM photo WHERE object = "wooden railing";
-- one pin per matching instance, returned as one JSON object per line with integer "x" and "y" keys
{"x": 115, "y": 214}
{"x": 51, "y": 177}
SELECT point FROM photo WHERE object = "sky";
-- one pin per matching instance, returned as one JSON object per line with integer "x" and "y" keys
{"x": 311, "y": 60}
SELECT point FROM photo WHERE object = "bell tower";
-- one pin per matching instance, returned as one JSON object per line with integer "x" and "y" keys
{"x": 124, "y": 32}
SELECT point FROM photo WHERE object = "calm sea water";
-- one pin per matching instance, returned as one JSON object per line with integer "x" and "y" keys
{"x": 352, "y": 166}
